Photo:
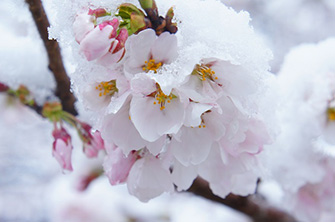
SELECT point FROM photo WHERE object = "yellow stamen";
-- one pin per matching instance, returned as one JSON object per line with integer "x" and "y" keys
{"x": 204, "y": 72}
{"x": 161, "y": 98}
{"x": 151, "y": 66}
{"x": 107, "y": 88}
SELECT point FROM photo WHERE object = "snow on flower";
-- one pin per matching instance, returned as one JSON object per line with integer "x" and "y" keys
{"x": 149, "y": 52}
{"x": 184, "y": 94}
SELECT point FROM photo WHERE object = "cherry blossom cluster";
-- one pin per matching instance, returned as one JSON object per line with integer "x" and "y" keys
{"x": 167, "y": 111}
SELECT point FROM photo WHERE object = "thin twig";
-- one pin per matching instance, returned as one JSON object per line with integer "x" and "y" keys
{"x": 257, "y": 210}
{"x": 55, "y": 58}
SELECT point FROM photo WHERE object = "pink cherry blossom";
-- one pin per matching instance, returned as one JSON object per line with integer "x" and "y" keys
{"x": 213, "y": 77}
{"x": 153, "y": 113}
{"x": 146, "y": 46}
{"x": 106, "y": 93}
{"x": 102, "y": 43}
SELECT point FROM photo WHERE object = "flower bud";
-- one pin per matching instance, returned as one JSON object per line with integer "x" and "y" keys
{"x": 148, "y": 4}
{"x": 134, "y": 18}
{"x": 121, "y": 38}
{"x": 53, "y": 111}
{"x": 97, "y": 42}
{"x": 114, "y": 23}
{"x": 170, "y": 26}
{"x": 99, "y": 12}
{"x": 62, "y": 148}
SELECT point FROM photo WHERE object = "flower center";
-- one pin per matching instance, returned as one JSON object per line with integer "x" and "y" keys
{"x": 151, "y": 66}
{"x": 204, "y": 72}
{"x": 331, "y": 114}
{"x": 107, "y": 88}
{"x": 160, "y": 98}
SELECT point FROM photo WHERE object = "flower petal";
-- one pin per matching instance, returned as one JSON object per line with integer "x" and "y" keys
{"x": 151, "y": 122}
{"x": 96, "y": 43}
{"x": 120, "y": 130}
{"x": 148, "y": 179}
{"x": 139, "y": 50}
{"x": 165, "y": 48}
{"x": 183, "y": 176}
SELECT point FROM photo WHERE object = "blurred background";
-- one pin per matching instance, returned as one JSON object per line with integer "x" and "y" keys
{"x": 32, "y": 185}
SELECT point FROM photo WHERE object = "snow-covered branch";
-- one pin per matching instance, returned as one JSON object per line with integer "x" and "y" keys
{"x": 55, "y": 58}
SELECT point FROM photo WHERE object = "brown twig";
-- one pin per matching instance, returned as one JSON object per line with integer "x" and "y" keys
{"x": 55, "y": 59}
{"x": 257, "y": 210}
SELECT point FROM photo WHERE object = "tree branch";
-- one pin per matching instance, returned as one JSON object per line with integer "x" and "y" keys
{"x": 56, "y": 65}
{"x": 257, "y": 210}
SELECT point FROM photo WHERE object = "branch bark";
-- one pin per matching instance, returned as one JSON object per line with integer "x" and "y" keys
{"x": 257, "y": 209}
{"x": 56, "y": 65}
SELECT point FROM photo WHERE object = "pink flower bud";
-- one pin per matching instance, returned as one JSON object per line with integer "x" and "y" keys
{"x": 97, "y": 42}
{"x": 122, "y": 38}
{"x": 117, "y": 50}
{"x": 62, "y": 148}
{"x": 114, "y": 23}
